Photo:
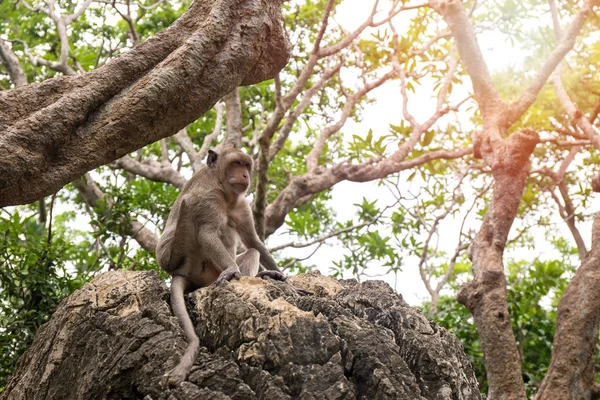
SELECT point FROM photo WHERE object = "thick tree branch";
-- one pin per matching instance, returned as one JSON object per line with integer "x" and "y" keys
{"x": 460, "y": 25}
{"x": 53, "y": 132}
{"x": 498, "y": 116}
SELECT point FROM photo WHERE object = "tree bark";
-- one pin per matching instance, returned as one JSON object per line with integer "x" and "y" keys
{"x": 53, "y": 132}
{"x": 233, "y": 117}
{"x": 485, "y": 296}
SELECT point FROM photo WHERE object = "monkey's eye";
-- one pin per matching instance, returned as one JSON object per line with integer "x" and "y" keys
{"x": 238, "y": 162}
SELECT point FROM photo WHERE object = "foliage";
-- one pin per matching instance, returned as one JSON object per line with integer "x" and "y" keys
{"x": 37, "y": 269}
{"x": 533, "y": 293}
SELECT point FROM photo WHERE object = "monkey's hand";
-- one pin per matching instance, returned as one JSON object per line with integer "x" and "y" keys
{"x": 229, "y": 274}
{"x": 280, "y": 276}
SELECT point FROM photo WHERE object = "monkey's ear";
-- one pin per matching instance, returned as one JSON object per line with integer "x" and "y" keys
{"x": 211, "y": 160}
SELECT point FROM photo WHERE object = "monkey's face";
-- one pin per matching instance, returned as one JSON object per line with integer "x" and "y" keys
{"x": 238, "y": 174}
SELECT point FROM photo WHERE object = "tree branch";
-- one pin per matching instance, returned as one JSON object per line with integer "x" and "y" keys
{"x": 293, "y": 115}
{"x": 12, "y": 65}
{"x": 151, "y": 169}
{"x": 322, "y": 178}
{"x": 527, "y": 98}
{"x": 322, "y": 238}
{"x": 460, "y": 25}
{"x": 312, "y": 159}
{"x": 485, "y": 295}
{"x": 233, "y": 114}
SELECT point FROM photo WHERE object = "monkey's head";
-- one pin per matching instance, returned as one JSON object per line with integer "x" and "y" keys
{"x": 233, "y": 168}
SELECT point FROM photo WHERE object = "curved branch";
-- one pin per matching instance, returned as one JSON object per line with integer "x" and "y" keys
{"x": 313, "y": 157}
{"x": 322, "y": 178}
{"x": 53, "y": 132}
{"x": 322, "y": 238}
{"x": 152, "y": 170}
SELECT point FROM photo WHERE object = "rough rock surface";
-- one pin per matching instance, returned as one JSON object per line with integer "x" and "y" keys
{"x": 116, "y": 338}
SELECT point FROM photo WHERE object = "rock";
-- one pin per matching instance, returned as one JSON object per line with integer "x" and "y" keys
{"x": 116, "y": 338}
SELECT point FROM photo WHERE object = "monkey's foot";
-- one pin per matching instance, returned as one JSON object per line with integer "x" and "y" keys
{"x": 280, "y": 276}
{"x": 229, "y": 274}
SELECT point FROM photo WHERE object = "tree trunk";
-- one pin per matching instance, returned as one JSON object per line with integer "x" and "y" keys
{"x": 116, "y": 338}
{"x": 485, "y": 296}
{"x": 53, "y": 132}
{"x": 571, "y": 372}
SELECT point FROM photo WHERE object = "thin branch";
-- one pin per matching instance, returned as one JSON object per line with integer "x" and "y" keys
{"x": 528, "y": 97}
{"x": 77, "y": 13}
{"x": 322, "y": 178}
{"x": 294, "y": 114}
{"x": 432, "y": 231}
{"x": 322, "y": 238}
{"x": 312, "y": 159}
{"x": 295, "y": 259}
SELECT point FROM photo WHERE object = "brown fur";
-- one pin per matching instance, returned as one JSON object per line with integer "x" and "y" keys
{"x": 199, "y": 243}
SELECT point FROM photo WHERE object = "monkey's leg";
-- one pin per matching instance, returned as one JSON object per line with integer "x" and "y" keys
{"x": 248, "y": 262}
{"x": 177, "y": 375}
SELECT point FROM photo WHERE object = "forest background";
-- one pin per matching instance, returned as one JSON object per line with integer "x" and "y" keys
{"x": 364, "y": 146}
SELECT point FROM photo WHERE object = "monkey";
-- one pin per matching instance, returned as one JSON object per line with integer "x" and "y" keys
{"x": 200, "y": 239}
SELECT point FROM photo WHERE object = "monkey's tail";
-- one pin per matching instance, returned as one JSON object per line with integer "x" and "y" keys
{"x": 178, "y": 374}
